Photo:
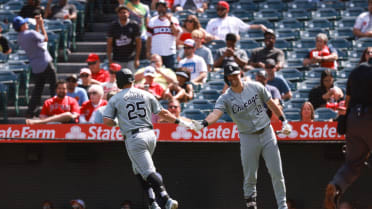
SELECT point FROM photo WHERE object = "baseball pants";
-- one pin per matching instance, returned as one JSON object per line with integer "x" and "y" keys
{"x": 358, "y": 146}
{"x": 140, "y": 147}
{"x": 251, "y": 147}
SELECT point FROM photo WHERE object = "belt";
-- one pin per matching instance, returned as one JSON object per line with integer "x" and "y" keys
{"x": 137, "y": 130}
{"x": 259, "y": 131}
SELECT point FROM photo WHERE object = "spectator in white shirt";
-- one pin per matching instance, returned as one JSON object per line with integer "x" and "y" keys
{"x": 363, "y": 23}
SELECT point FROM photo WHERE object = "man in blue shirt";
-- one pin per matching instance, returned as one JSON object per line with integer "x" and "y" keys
{"x": 277, "y": 81}
{"x": 74, "y": 91}
{"x": 35, "y": 44}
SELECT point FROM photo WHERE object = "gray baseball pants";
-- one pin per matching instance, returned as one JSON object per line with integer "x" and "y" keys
{"x": 140, "y": 147}
{"x": 251, "y": 147}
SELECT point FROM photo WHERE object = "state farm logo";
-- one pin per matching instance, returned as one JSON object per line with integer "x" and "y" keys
{"x": 181, "y": 133}
{"x": 293, "y": 135}
{"x": 75, "y": 133}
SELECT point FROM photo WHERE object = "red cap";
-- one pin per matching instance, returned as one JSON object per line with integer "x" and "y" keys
{"x": 224, "y": 4}
{"x": 92, "y": 57}
{"x": 115, "y": 67}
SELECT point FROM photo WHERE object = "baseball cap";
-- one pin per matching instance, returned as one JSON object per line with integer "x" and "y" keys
{"x": 231, "y": 69}
{"x": 78, "y": 201}
{"x": 72, "y": 78}
{"x": 183, "y": 74}
{"x": 120, "y": 7}
{"x": 18, "y": 22}
{"x": 115, "y": 67}
{"x": 224, "y": 4}
{"x": 270, "y": 63}
{"x": 270, "y": 31}
{"x": 85, "y": 70}
{"x": 149, "y": 71}
{"x": 92, "y": 57}
{"x": 261, "y": 73}
{"x": 189, "y": 43}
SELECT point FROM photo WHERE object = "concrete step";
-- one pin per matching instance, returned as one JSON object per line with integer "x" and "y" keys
{"x": 82, "y": 56}
{"x": 70, "y": 67}
{"x": 91, "y": 46}
{"x": 100, "y": 26}
{"x": 94, "y": 36}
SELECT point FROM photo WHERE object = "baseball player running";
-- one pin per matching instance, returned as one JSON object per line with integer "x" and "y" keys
{"x": 244, "y": 102}
{"x": 134, "y": 108}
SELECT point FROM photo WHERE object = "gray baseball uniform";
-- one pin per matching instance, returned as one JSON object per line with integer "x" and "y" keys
{"x": 134, "y": 108}
{"x": 256, "y": 136}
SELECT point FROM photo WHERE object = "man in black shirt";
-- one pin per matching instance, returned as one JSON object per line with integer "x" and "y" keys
{"x": 4, "y": 44}
{"x": 31, "y": 9}
{"x": 358, "y": 133}
{"x": 124, "y": 40}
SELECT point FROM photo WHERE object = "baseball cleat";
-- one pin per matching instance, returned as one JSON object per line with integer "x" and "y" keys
{"x": 251, "y": 202}
{"x": 332, "y": 197}
{"x": 154, "y": 205}
{"x": 171, "y": 204}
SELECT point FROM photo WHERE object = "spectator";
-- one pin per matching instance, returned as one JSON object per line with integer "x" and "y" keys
{"x": 31, "y": 9}
{"x": 230, "y": 53}
{"x": 163, "y": 76}
{"x": 127, "y": 204}
{"x": 323, "y": 55}
{"x": 47, "y": 205}
{"x": 194, "y": 5}
{"x": 201, "y": 50}
{"x": 141, "y": 13}
{"x": 97, "y": 115}
{"x": 326, "y": 91}
{"x": 261, "y": 54}
{"x": 174, "y": 107}
{"x": 4, "y": 44}
{"x": 163, "y": 30}
{"x": 85, "y": 79}
{"x": 41, "y": 63}
{"x": 149, "y": 85}
{"x": 363, "y": 23}
{"x": 194, "y": 63}
{"x": 277, "y": 81}
{"x": 74, "y": 91}
{"x": 124, "y": 40}
{"x": 183, "y": 90}
{"x": 367, "y": 53}
{"x": 307, "y": 112}
{"x": 60, "y": 108}
{"x": 111, "y": 84}
{"x": 98, "y": 74}
{"x": 190, "y": 24}
{"x": 95, "y": 101}
{"x": 224, "y": 24}
{"x": 169, "y": 3}
{"x": 77, "y": 204}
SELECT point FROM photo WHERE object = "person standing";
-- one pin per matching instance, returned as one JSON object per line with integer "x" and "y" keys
{"x": 35, "y": 45}
{"x": 124, "y": 40}
{"x": 358, "y": 133}
{"x": 134, "y": 107}
{"x": 244, "y": 103}
{"x": 162, "y": 32}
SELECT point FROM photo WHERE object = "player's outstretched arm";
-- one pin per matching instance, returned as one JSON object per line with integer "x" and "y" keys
{"x": 210, "y": 119}
{"x": 169, "y": 117}
{"x": 286, "y": 128}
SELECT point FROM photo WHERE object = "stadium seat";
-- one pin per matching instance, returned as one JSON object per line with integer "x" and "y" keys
{"x": 356, "y": 52}
{"x": 352, "y": 12}
{"x": 253, "y": 34}
{"x": 7, "y": 16}
{"x": 313, "y": 32}
{"x": 11, "y": 36}
{"x": 341, "y": 83}
{"x": 59, "y": 28}
{"x": 277, "y": 5}
{"x": 346, "y": 33}
{"x": 193, "y": 114}
{"x": 20, "y": 55}
{"x": 215, "y": 76}
{"x": 210, "y": 95}
{"x": 302, "y": 93}
{"x": 295, "y": 103}
{"x": 13, "y": 6}
{"x": 297, "y": 4}
{"x": 320, "y": 23}
{"x": 343, "y": 54}
{"x": 324, "y": 114}
{"x": 248, "y": 44}
{"x": 268, "y": 14}
{"x": 215, "y": 84}
{"x": 23, "y": 71}
{"x": 299, "y": 14}
{"x": 264, "y": 22}
{"x": 316, "y": 72}
{"x": 309, "y": 84}
{"x": 10, "y": 79}
{"x": 291, "y": 74}
{"x": 200, "y": 104}
{"x": 305, "y": 43}
{"x": 243, "y": 14}
{"x": 249, "y": 7}
{"x": 351, "y": 62}
{"x": 298, "y": 53}
{"x": 344, "y": 73}
{"x": 345, "y": 22}
{"x": 287, "y": 34}
{"x": 357, "y": 3}
{"x": 4, "y": 100}
{"x": 335, "y": 4}
{"x": 327, "y": 13}
{"x": 283, "y": 44}
{"x": 293, "y": 116}
{"x": 341, "y": 43}
{"x": 293, "y": 63}
{"x": 216, "y": 44}
{"x": 53, "y": 45}
{"x": 164, "y": 103}
{"x": 290, "y": 23}
{"x": 363, "y": 42}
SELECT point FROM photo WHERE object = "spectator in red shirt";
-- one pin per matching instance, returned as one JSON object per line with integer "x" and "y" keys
{"x": 111, "y": 84}
{"x": 149, "y": 85}
{"x": 98, "y": 74}
{"x": 96, "y": 100}
{"x": 60, "y": 108}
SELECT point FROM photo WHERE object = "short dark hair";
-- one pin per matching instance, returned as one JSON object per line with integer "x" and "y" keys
{"x": 59, "y": 82}
{"x": 126, "y": 202}
{"x": 231, "y": 37}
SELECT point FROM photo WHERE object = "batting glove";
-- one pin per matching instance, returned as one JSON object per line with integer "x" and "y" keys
{"x": 198, "y": 125}
{"x": 286, "y": 128}
{"x": 186, "y": 124}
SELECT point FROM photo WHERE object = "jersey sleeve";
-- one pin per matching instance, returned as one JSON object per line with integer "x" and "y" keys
{"x": 243, "y": 27}
{"x": 220, "y": 103}
{"x": 155, "y": 105}
{"x": 110, "y": 110}
{"x": 359, "y": 22}
{"x": 202, "y": 65}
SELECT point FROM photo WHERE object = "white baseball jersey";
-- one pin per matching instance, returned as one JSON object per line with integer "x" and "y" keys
{"x": 195, "y": 65}
{"x": 133, "y": 107}
{"x": 219, "y": 27}
{"x": 363, "y": 22}
{"x": 163, "y": 41}
{"x": 246, "y": 109}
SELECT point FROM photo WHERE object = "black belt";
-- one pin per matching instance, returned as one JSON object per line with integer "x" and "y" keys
{"x": 135, "y": 131}
{"x": 259, "y": 131}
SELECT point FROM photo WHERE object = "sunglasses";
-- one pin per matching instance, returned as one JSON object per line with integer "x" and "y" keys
{"x": 91, "y": 63}
{"x": 84, "y": 75}
{"x": 369, "y": 52}
{"x": 112, "y": 72}
{"x": 187, "y": 47}
{"x": 189, "y": 20}
{"x": 221, "y": 9}
{"x": 92, "y": 93}
{"x": 172, "y": 106}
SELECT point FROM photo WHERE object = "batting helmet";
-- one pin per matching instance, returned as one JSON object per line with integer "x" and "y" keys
{"x": 230, "y": 69}
{"x": 123, "y": 77}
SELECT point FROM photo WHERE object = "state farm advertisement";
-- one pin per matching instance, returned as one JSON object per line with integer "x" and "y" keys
{"x": 219, "y": 132}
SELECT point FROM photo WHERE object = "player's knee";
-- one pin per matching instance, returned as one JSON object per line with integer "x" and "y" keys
{"x": 155, "y": 179}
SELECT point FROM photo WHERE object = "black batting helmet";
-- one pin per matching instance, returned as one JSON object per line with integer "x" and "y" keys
{"x": 230, "y": 69}
{"x": 124, "y": 76}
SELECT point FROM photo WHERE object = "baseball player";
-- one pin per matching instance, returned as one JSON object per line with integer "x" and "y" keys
{"x": 244, "y": 102}
{"x": 134, "y": 107}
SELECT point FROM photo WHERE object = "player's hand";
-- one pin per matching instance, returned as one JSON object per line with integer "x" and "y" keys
{"x": 198, "y": 125}
{"x": 186, "y": 124}
{"x": 286, "y": 128}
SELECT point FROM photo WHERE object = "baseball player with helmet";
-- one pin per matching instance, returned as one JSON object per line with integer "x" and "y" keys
{"x": 244, "y": 102}
{"x": 134, "y": 107}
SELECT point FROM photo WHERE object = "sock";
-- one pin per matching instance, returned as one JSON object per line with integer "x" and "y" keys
{"x": 157, "y": 184}
{"x": 148, "y": 190}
